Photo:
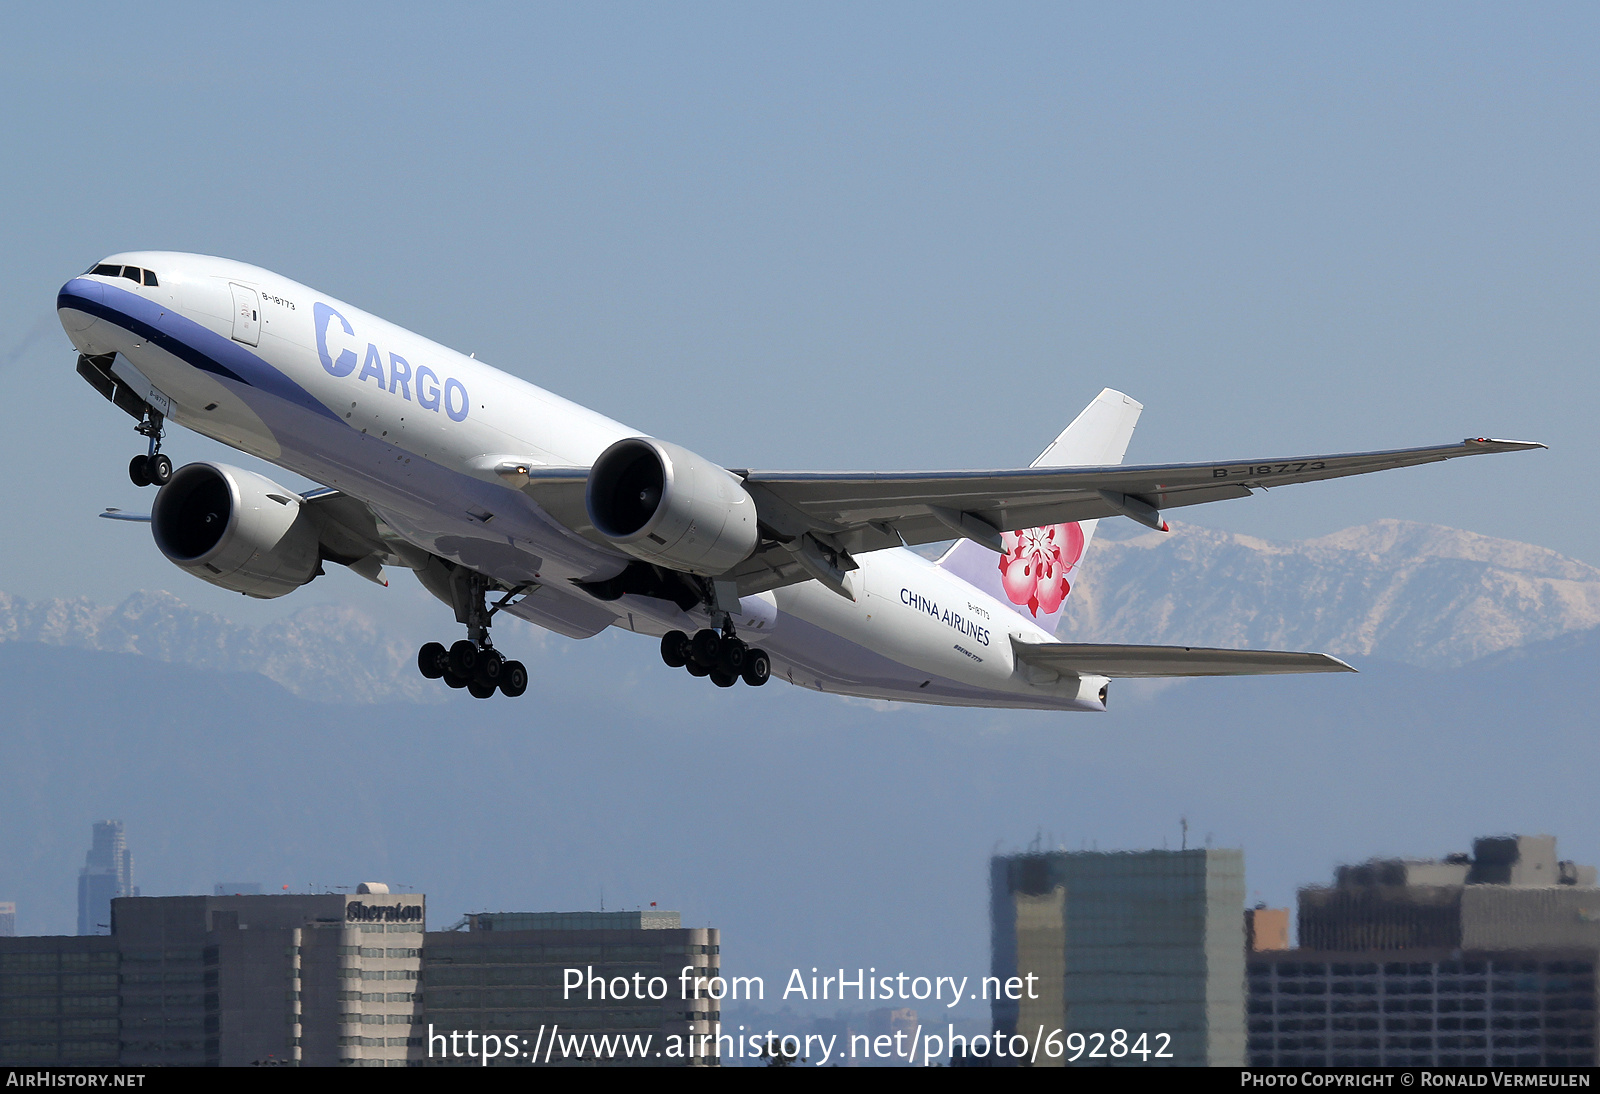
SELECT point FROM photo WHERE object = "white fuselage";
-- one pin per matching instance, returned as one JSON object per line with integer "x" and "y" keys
{"x": 416, "y": 430}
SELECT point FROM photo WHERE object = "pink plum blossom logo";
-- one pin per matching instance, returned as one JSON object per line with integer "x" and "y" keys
{"x": 1034, "y": 564}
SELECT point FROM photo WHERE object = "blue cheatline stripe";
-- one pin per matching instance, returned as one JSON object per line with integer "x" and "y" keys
{"x": 186, "y": 340}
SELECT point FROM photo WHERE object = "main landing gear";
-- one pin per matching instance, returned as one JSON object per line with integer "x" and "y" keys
{"x": 480, "y": 669}
{"x": 155, "y": 467}
{"x": 722, "y": 657}
{"x": 473, "y": 663}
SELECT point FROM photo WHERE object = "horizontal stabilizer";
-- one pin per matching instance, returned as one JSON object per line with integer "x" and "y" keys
{"x": 1138, "y": 662}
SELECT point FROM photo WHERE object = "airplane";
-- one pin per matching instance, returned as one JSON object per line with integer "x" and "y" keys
{"x": 503, "y": 497}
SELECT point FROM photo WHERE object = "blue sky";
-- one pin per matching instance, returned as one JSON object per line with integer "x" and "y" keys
{"x": 852, "y": 236}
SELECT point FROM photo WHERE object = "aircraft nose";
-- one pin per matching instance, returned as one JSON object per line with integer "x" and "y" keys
{"x": 71, "y": 301}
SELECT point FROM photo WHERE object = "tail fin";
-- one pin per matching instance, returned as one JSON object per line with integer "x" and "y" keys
{"x": 1038, "y": 567}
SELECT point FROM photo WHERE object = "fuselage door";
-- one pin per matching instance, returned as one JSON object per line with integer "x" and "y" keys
{"x": 246, "y": 315}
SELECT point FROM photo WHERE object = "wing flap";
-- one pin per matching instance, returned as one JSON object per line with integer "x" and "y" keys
{"x": 1146, "y": 662}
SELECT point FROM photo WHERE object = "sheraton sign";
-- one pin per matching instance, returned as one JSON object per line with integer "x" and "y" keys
{"x": 360, "y": 912}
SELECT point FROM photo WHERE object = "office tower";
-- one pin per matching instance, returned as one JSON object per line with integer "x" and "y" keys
{"x": 107, "y": 874}
{"x": 8, "y": 919}
{"x": 507, "y": 973}
{"x": 1148, "y": 942}
{"x": 319, "y": 980}
{"x": 341, "y": 980}
{"x": 1470, "y": 960}
{"x": 58, "y": 1001}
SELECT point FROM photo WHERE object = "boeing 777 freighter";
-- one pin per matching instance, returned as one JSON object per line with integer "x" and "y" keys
{"x": 500, "y": 496}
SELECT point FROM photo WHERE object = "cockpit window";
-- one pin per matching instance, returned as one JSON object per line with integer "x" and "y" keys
{"x": 138, "y": 275}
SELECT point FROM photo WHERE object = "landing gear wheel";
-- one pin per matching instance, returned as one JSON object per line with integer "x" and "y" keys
{"x": 158, "y": 469}
{"x": 513, "y": 679}
{"x": 138, "y": 470}
{"x": 706, "y": 648}
{"x": 463, "y": 659}
{"x": 481, "y": 690}
{"x": 723, "y": 679}
{"x": 453, "y": 680}
{"x": 431, "y": 660}
{"x": 675, "y": 649}
{"x": 734, "y": 654}
{"x": 757, "y": 668}
{"x": 697, "y": 669}
{"x": 490, "y": 666}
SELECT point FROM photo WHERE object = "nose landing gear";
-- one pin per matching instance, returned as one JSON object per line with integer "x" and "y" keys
{"x": 155, "y": 467}
{"x": 723, "y": 657}
{"x": 473, "y": 663}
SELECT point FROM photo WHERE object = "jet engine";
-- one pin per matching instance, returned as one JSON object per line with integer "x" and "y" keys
{"x": 666, "y": 505}
{"x": 236, "y": 529}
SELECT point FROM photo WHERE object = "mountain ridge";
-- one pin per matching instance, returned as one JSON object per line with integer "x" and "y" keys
{"x": 328, "y": 652}
{"x": 1397, "y": 591}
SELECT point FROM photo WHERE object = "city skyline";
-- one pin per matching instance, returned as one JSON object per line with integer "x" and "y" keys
{"x": 543, "y": 779}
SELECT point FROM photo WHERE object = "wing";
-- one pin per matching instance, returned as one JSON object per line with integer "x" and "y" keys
{"x": 559, "y": 491}
{"x": 1137, "y": 662}
{"x": 813, "y": 521}
{"x": 834, "y": 514}
{"x": 911, "y": 503}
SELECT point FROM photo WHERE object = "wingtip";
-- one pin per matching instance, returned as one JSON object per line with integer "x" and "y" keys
{"x": 1497, "y": 444}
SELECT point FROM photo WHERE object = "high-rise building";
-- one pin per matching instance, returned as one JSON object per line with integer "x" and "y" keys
{"x": 341, "y": 979}
{"x": 8, "y": 919}
{"x": 58, "y": 1001}
{"x": 508, "y": 973}
{"x": 321, "y": 979}
{"x": 1150, "y": 943}
{"x": 106, "y": 875}
{"x": 1471, "y": 960}
{"x": 1511, "y": 892}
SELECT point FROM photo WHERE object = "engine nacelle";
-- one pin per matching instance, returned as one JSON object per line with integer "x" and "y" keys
{"x": 666, "y": 505}
{"x": 236, "y": 529}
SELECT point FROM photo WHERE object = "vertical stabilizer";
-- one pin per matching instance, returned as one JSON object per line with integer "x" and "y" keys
{"x": 1038, "y": 567}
